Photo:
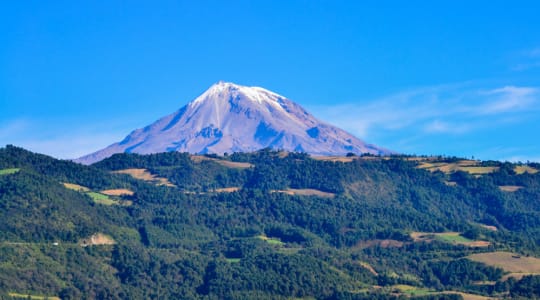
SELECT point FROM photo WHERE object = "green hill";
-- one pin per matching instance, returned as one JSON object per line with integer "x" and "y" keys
{"x": 262, "y": 225}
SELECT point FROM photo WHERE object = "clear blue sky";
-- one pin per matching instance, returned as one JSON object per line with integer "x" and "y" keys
{"x": 424, "y": 77}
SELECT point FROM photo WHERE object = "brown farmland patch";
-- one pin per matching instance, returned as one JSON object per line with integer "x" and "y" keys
{"x": 508, "y": 261}
{"x": 525, "y": 169}
{"x": 225, "y": 163}
{"x": 97, "y": 239}
{"x": 143, "y": 174}
{"x": 334, "y": 158}
{"x": 234, "y": 165}
{"x": 117, "y": 192}
{"x": 510, "y": 188}
{"x": 227, "y": 190}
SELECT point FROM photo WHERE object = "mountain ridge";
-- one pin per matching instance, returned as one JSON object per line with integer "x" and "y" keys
{"x": 233, "y": 118}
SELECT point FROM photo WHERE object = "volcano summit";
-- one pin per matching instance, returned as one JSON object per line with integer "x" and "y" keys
{"x": 234, "y": 118}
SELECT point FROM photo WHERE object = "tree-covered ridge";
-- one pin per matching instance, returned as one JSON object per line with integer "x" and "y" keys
{"x": 195, "y": 240}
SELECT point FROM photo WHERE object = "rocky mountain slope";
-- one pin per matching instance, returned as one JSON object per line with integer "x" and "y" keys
{"x": 233, "y": 118}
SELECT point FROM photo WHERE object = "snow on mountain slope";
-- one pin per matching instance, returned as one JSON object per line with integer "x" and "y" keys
{"x": 234, "y": 118}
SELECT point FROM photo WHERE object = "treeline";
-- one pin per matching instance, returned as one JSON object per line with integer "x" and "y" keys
{"x": 191, "y": 242}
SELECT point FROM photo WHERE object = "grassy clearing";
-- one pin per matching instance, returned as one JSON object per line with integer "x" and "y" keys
{"x": 452, "y": 237}
{"x": 75, "y": 187}
{"x": 233, "y": 260}
{"x": 306, "y": 192}
{"x": 271, "y": 241}
{"x": 101, "y": 198}
{"x": 470, "y": 166}
{"x": 143, "y": 174}
{"x": 479, "y": 170}
{"x": 508, "y": 261}
{"x": 467, "y": 296}
{"x": 9, "y": 171}
{"x": 36, "y": 297}
{"x": 525, "y": 169}
{"x": 411, "y": 290}
{"x": 447, "y": 237}
{"x": 510, "y": 188}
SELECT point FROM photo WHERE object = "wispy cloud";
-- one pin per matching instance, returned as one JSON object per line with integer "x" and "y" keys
{"x": 449, "y": 113}
{"x": 452, "y": 109}
{"x": 527, "y": 59}
{"x": 508, "y": 99}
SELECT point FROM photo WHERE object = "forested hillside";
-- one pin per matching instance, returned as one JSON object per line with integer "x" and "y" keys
{"x": 267, "y": 225}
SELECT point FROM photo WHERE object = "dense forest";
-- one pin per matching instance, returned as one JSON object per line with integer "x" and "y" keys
{"x": 267, "y": 225}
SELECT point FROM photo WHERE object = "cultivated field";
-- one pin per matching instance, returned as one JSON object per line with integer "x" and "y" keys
{"x": 448, "y": 237}
{"x": 75, "y": 187}
{"x": 525, "y": 169}
{"x": 102, "y": 199}
{"x": 306, "y": 192}
{"x": 470, "y": 166}
{"x": 510, "y": 188}
{"x": 32, "y": 297}
{"x": 226, "y": 190}
{"x": 143, "y": 174}
{"x": 117, "y": 192}
{"x": 225, "y": 163}
{"x": 408, "y": 290}
{"x": 334, "y": 158}
{"x": 516, "y": 264}
{"x": 9, "y": 171}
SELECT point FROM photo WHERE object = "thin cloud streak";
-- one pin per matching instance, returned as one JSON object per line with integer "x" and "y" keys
{"x": 434, "y": 109}
{"x": 440, "y": 119}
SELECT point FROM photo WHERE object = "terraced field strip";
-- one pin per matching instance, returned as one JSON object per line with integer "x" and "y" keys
{"x": 102, "y": 199}
{"x": 271, "y": 241}
{"x": 409, "y": 290}
{"x": 470, "y": 166}
{"x": 344, "y": 159}
{"x": 117, "y": 192}
{"x": 226, "y": 190}
{"x": 467, "y": 296}
{"x": 510, "y": 188}
{"x": 225, "y": 163}
{"x": 516, "y": 264}
{"x": 448, "y": 237}
{"x": 306, "y": 192}
{"x": 33, "y": 297}
{"x": 144, "y": 174}
{"x": 9, "y": 171}
{"x": 525, "y": 169}
{"x": 75, "y": 187}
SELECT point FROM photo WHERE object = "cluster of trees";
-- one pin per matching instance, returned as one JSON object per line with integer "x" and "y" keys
{"x": 190, "y": 242}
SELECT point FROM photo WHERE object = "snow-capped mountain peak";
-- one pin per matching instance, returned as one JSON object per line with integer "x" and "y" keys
{"x": 234, "y": 118}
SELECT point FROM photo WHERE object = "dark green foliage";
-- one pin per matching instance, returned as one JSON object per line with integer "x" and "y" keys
{"x": 191, "y": 242}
